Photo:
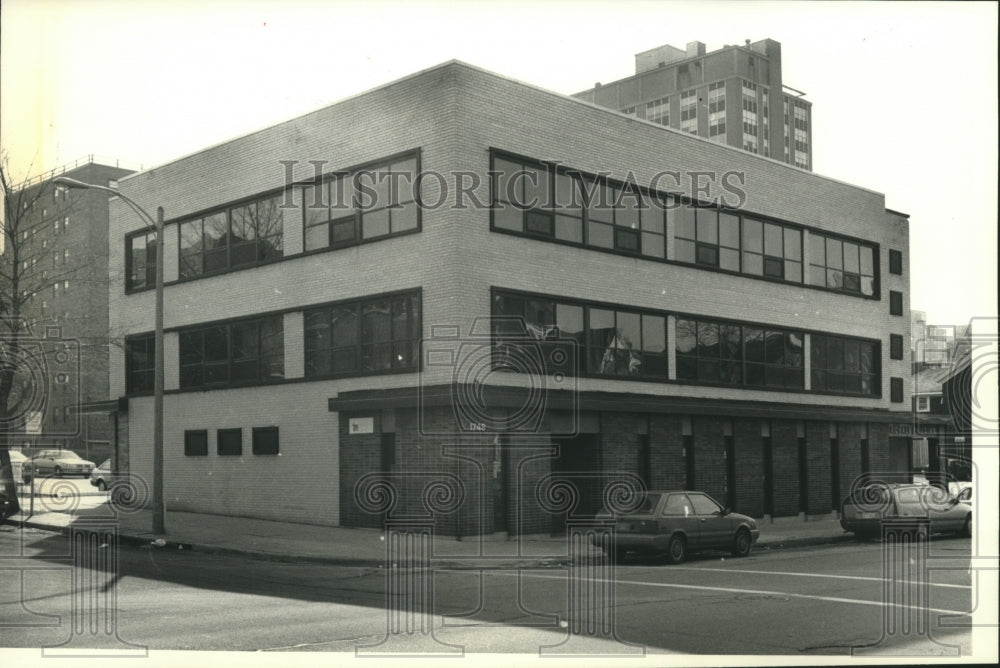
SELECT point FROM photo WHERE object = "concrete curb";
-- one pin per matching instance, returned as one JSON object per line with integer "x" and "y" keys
{"x": 455, "y": 563}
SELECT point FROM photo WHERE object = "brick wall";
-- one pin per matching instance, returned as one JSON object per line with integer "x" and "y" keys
{"x": 878, "y": 446}
{"x": 785, "y": 463}
{"x": 849, "y": 435}
{"x": 667, "y": 463}
{"x": 709, "y": 457}
{"x": 818, "y": 467}
{"x": 360, "y": 454}
{"x": 749, "y": 453}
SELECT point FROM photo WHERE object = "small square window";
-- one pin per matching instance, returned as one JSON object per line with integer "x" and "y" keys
{"x": 923, "y": 404}
{"x": 265, "y": 440}
{"x": 895, "y": 262}
{"x": 230, "y": 442}
{"x": 896, "y": 346}
{"x": 896, "y": 390}
{"x": 196, "y": 443}
{"x": 895, "y": 303}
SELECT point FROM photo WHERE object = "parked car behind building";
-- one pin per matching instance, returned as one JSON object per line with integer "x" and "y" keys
{"x": 57, "y": 463}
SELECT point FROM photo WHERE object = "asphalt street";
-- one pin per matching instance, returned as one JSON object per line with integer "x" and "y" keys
{"x": 822, "y": 600}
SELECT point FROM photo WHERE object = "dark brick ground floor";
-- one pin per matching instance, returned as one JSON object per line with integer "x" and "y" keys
{"x": 415, "y": 465}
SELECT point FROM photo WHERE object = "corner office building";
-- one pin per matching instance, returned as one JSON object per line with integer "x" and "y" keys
{"x": 626, "y": 324}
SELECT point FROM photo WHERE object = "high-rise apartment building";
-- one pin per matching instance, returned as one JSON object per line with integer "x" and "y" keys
{"x": 733, "y": 96}
{"x": 58, "y": 256}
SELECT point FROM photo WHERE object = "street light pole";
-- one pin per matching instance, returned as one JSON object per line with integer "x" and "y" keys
{"x": 158, "y": 364}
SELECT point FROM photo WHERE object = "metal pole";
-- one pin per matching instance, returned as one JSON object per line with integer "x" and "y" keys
{"x": 158, "y": 509}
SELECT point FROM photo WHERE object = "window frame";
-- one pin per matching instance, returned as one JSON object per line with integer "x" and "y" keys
{"x": 896, "y": 390}
{"x": 895, "y": 303}
{"x": 665, "y": 201}
{"x": 237, "y": 450}
{"x": 265, "y": 449}
{"x": 355, "y": 213}
{"x": 896, "y": 346}
{"x": 148, "y": 340}
{"x": 415, "y": 327}
{"x": 190, "y": 449}
{"x": 895, "y": 262}
{"x": 149, "y": 236}
{"x": 832, "y": 341}
{"x": 264, "y": 360}
{"x": 742, "y": 361}
{"x": 827, "y": 237}
{"x": 590, "y": 190}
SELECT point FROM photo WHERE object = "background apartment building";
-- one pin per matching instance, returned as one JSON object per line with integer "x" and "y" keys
{"x": 734, "y": 96}
{"x": 576, "y": 319}
{"x": 63, "y": 281}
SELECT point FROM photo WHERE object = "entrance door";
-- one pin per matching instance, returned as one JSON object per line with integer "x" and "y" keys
{"x": 579, "y": 462}
{"x": 900, "y": 458}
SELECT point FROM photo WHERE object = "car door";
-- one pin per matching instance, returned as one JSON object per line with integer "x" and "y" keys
{"x": 43, "y": 462}
{"x": 678, "y": 515}
{"x": 713, "y": 526}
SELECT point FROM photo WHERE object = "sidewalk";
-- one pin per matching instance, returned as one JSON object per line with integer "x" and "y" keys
{"x": 285, "y": 541}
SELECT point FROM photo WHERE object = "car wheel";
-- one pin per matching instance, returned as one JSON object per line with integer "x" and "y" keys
{"x": 57, "y": 471}
{"x": 967, "y": 527}
{"x": 102, "y": 486}
{"x": 742, "y": 543}
{"x": 676, "y": 549}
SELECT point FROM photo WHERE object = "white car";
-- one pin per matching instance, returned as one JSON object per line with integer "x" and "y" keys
{"x": 57, "y": 463}
{"x": 16, "y": 463}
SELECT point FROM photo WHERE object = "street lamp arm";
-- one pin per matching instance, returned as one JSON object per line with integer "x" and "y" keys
{"x": 80, "y": 185}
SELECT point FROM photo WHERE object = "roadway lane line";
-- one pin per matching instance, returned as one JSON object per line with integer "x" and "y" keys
{"x": 804, "y": 575}
{"x": 731, "y": 590}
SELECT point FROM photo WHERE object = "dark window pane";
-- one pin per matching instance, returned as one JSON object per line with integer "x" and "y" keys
{"x": 230, "y": 442}
{"x": 708, "y": 255}
{"x": 196, "y": 443}
{"x": 539, "y": 222}
{"x": 626, "y": 239}
{"x": 753, "y": 344}
{"x": 774, "y": 268}
{"x": 265, "y": 440}
{"x": 685, "y": 336}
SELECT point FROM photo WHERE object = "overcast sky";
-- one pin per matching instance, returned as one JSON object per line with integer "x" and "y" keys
{"x": 904, "y": 95}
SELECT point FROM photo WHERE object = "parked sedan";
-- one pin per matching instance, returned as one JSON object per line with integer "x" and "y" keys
{"x": 674, "y": 523}
{"x": 866, "y": 509}
{"x": 16, "y": 463}
{"x": 57, "y": 463}
{"x": 102, "y": 477}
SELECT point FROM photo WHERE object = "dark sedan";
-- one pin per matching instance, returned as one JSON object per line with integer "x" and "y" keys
{"x": 675, "y": 523}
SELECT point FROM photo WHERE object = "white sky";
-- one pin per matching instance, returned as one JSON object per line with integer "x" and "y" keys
{"x": 904, "y": 95}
